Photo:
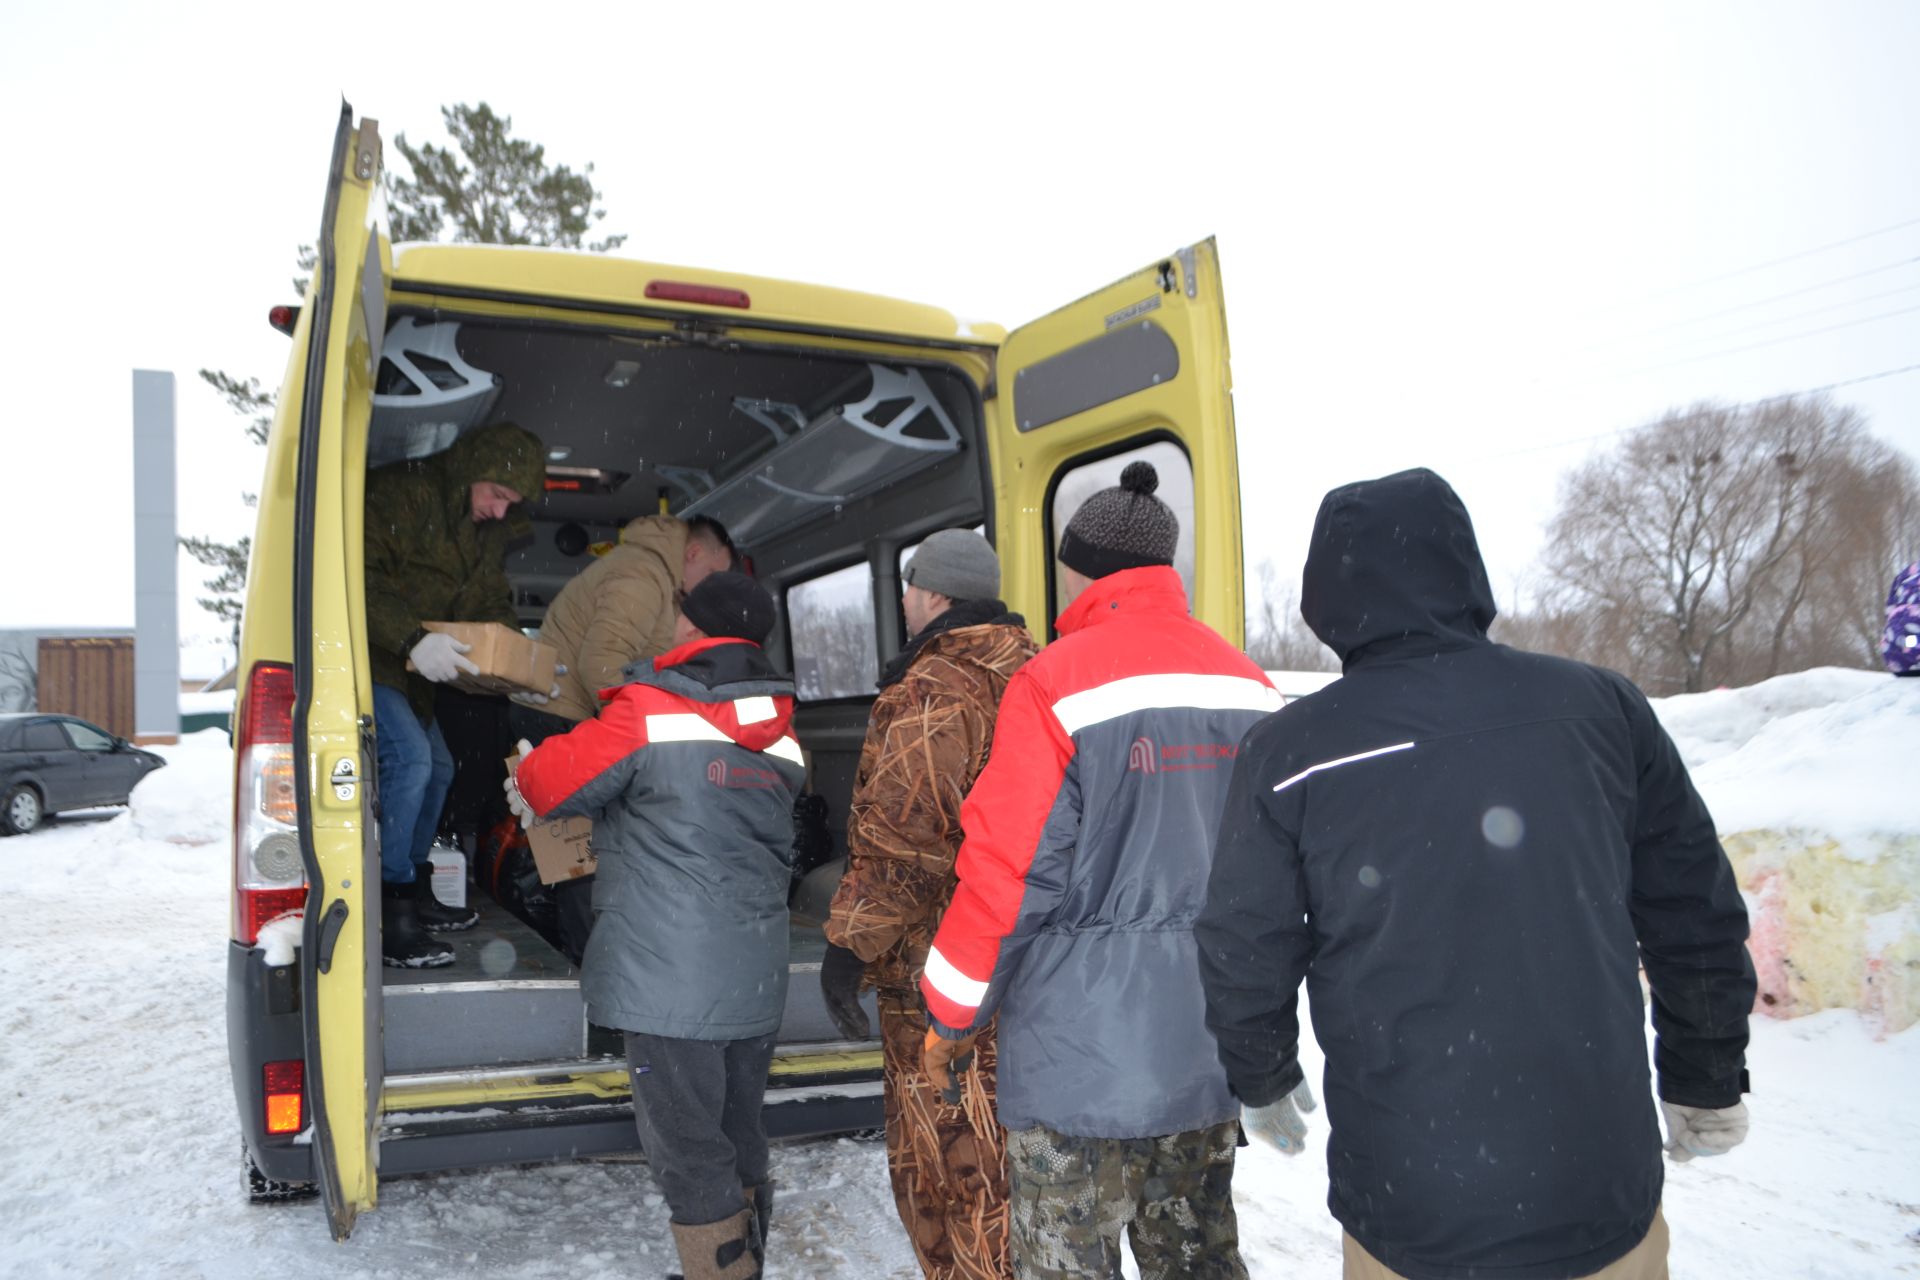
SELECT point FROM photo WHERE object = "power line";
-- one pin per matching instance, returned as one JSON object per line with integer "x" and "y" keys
{"x": 1803, "y": 315}
{"x": 1770, "y": 342}
{"x": 1774, "y": 262}
{"x": 1748, "y": 404}
{"x": 1748, "y": 306}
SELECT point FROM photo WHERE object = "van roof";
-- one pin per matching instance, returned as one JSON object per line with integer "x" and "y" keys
{"x": 572, "y": 277}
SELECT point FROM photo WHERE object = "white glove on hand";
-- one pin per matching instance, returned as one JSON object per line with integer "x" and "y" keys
{"x": 515, "y": 801}
{"x": 1703, "y": 1131}
{"x": 1279, "y": 1124}
{"x": 530, "y": 699}
{"x": 437, "y": 657}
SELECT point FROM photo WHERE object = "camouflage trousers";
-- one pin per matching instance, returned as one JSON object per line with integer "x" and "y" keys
{"x": 948, "y": 1163}
{"x": 1173, "y": 1196}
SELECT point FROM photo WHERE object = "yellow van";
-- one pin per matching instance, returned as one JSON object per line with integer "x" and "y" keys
{"x": 829, "y": 431}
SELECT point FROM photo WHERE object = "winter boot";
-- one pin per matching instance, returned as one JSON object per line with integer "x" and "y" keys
{"x": 760, "y": 1200}
{"x": 717, "y": 1250}
{"x": 403, "y": 943}
{"x": 434, "y": 914}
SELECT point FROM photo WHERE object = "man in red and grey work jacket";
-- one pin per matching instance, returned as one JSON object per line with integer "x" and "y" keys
{"x": 689, "y": 773}
{"x": 1085, "y": 862}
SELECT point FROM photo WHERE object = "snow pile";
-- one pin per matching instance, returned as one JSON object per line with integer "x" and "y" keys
{"x": 1810, "y": 780}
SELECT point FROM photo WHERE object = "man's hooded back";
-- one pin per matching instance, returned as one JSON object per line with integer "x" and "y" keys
{"x": 1395, "y": 560}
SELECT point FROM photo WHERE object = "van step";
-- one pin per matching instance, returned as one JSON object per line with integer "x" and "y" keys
{"x": 508, "y": 996}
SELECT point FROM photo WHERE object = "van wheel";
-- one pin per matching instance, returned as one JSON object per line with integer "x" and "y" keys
{"x": 22, "y": 812}
{"x": 264, "y": 1190}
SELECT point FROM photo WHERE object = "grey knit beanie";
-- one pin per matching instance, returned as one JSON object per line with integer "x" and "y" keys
{"x": 1125, "y": 527}
{"x": 957, "y": 563}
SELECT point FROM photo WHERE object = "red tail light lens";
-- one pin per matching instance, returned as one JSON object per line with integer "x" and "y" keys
{"x": 285, "y": 1095}
{"x": 269, "y": 879}
{"x": 706, "y": 295}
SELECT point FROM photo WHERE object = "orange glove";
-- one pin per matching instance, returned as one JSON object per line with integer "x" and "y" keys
{"x": 942, "y": 1059}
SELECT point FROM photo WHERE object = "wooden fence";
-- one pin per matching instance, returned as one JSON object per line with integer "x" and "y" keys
{"x": 89, "y": 677}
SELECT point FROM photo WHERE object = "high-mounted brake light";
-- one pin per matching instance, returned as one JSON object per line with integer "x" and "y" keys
{"x": 284, "y": 1081}
{"x": 269, "y": 878}
{"x": 284, "y": 318}
{"x": 706, "y": 295}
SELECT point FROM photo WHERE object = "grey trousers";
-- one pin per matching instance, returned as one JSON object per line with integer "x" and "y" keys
{"x": 697, "y": 1106}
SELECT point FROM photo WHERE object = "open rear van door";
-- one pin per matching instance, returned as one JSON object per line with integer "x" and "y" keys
{"x": 1137, "y": 370}
{"x": 333, "y": 695}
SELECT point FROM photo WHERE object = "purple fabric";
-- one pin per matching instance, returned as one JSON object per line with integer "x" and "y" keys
{"x": 1900, "y": 642}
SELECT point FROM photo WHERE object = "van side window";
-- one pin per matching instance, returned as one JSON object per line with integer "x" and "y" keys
{"x": 831, "y": 631}
{"x": 1078, "y": 481}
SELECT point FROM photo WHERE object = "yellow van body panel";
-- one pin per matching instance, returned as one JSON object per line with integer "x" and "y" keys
{"x": 612, "y": 1085}
{"x": 614, "y": 283}
{"x": 1180, "y": 296}
{"x": 346, "y": 1008}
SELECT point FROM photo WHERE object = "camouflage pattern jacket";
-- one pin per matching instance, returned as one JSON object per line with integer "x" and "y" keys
{"x": 427, "y": 560}
{"x": 927, "y": 740}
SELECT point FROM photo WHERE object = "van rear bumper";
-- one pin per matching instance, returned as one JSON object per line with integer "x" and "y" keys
{"x": 263, "y": 1025}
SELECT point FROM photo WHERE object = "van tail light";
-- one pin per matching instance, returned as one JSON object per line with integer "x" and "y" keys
{"x": 283, "y": 318}
{"x": 284, "y": 1095}
{"x": 706, "y": 295}
{"x": 269, "y": 879}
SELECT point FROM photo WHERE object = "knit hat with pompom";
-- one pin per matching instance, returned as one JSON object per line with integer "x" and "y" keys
{"x": 1125, "y": 527}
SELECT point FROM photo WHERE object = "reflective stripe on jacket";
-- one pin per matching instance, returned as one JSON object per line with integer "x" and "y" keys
{"x": 689, "y": 774}
{"x": 1088, "y": 842}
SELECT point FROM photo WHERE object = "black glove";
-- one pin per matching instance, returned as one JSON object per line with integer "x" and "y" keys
{"x": 840, "y": 974}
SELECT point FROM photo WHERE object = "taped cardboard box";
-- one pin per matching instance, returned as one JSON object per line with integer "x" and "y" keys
{"x": 509, "y": 661}
{"x": 561, "y": 850}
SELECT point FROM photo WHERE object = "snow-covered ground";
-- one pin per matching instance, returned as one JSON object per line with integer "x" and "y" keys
{"x": 119, "y": 1153}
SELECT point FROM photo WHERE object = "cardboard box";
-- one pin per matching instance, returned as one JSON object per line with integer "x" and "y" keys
{"x": 509, "y": 662}
{"x": 560, "y": 849}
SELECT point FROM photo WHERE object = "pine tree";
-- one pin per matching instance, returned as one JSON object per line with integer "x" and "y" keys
{"x": 488, "y": 187}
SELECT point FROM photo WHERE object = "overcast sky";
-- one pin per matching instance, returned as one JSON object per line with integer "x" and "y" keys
{"x": 1470, "y": 237}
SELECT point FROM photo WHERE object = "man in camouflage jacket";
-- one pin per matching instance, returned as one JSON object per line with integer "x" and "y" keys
{"x": 927, "y": 740}
{"x": 436, "y": 536}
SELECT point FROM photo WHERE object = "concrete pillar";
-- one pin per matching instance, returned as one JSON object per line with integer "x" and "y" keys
{"x": 156, "y": 562}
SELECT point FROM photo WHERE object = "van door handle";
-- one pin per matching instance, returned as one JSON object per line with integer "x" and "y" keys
{"x": 330, "y": 925}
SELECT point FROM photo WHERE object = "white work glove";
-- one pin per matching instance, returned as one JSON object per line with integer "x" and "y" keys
{"x": 515, "y": 801}
{"x": 437, "y": 657}
{"x": 1703, "y": 1131}
{"x": 528, "y": 698}
{"x": 1280, "y": 1124}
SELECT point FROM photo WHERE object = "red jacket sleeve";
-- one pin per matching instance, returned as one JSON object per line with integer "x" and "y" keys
{"x": 582, "y": 771}
{"x": 1006, "y": 821}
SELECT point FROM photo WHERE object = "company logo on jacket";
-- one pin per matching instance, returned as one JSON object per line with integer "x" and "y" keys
{"x": 1144, "y": 757}
{"x": 722, "y": 774}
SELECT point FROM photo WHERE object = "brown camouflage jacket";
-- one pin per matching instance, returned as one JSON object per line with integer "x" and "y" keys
{"x": 927, "y": 740}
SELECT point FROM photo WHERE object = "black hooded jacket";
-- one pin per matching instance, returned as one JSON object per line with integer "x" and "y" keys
{"x": 1467, "y": 851}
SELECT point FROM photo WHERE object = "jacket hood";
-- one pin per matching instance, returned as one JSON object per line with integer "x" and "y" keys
{"x": 502, "y": 453}
{"x": 718, "y": 675}
{"x": 1395, "y": 559}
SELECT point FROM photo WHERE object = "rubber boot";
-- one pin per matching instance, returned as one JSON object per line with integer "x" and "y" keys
{"x": 760, "y": 1200}
{"x": 717, "y": 1250}
{"x": 403, "y": 943}
{"x": 434, "y": 914}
